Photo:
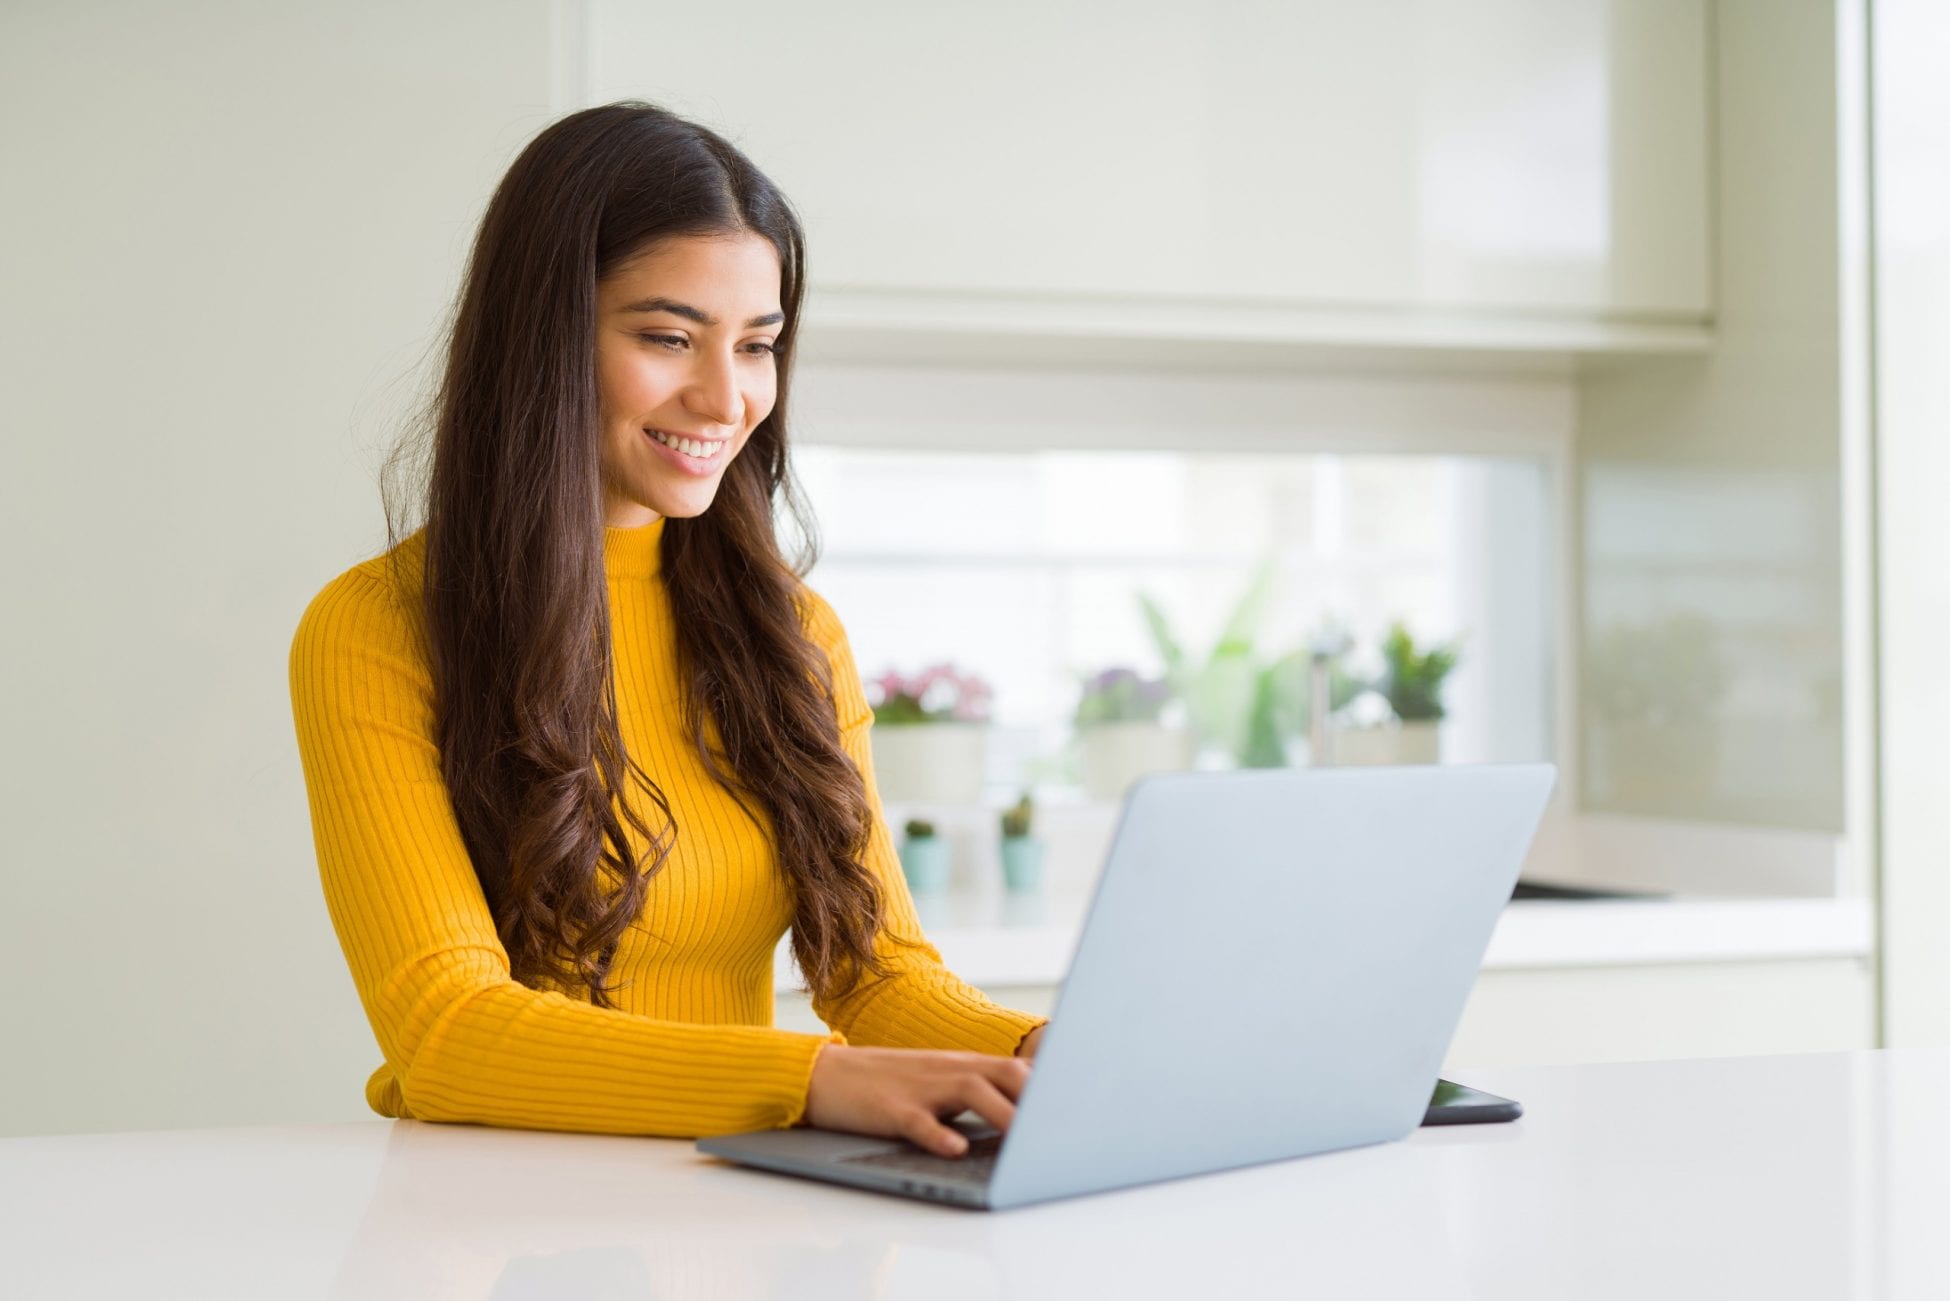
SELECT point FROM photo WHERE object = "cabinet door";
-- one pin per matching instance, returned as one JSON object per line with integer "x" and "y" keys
{"x": 1504, "y": 154}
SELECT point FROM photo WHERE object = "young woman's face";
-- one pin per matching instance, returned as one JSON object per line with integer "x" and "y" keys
{"x": 684, "y": 337}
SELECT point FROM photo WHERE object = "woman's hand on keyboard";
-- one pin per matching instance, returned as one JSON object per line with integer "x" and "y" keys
{"x": 908, "y": 1092}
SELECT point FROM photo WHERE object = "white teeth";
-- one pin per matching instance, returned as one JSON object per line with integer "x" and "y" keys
{"x": 690, "y": 447}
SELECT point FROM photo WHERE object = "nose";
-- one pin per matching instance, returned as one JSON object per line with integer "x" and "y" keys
{"x": 713, "y": 391}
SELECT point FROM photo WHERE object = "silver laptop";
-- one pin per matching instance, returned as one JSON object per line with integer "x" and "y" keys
{"x": 1273, "y": 965}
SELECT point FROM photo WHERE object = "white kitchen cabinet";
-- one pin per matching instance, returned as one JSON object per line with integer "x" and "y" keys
{"x": 1647, "y": 1013}
{"x": 1541, "y": 159}
{"x": 1560, "y": 982}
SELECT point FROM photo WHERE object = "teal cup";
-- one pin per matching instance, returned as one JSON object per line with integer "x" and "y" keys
{"x": 924, "y": 861}
{"x": 1022, "y": 862}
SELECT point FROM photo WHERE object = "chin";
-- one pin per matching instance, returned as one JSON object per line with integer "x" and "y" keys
{"x": 681, "y": 505}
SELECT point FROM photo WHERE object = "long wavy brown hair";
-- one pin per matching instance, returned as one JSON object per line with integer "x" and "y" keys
{"x": 516, "y": 610}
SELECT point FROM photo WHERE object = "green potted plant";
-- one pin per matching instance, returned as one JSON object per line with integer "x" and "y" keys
{"x": 924, "y": 857}
{"x": 929, "y": 735}
{"x": 1411, "y": 682}
{"x": 1280, "y": 709}
{"x": 1022, "y": 853}
{"x": 1244, "y": 707}
{"x": 1121, "y": 733}
{"x": 1219, "y": 693}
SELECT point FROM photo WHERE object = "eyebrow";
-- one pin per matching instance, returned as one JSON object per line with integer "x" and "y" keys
{"x": 690, "y": 313}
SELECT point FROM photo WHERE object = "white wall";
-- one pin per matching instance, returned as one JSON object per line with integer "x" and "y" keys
{"x": 1911, "y": 40}
{"x": 227, "y": 235}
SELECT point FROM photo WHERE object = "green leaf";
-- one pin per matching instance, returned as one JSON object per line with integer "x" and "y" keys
{"x": 1241, "y": 628}
{"x": 1225, "y": 695}
{"x": 1221, "y": 697}
{"x": 1264, "y": 747}
{"x": 1413, "y": 681}
{"x": 1168, "y": 648}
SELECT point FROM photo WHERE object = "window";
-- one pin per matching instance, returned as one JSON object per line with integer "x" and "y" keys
{"x": 1026, "y": 567}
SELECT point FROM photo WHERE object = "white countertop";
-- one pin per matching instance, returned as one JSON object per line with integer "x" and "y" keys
{"x": 1781, "y": 1178}
{"x": 994, "y": 940}
{"x": 1732, "y": 894}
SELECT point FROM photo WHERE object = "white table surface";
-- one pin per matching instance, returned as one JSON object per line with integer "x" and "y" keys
{"x": 1823, "y": 1176}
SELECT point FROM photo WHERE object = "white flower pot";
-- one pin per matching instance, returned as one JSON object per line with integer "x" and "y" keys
{"x": 929, "y": 763}
{"x": 1113, "y": 755}
{"x": 1390, "y": 744}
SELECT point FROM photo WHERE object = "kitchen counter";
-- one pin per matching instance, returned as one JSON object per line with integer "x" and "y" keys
{"x": 1819, "y": 1177}
{"x": 993, "y": 939}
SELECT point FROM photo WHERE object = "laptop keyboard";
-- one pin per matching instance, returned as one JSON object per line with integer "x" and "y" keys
{"x": 978, "y": 1163}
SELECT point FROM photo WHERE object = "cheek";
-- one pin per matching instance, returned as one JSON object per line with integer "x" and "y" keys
{"x": 759, "y": 399}
{"x": 629, "y": 385}
{"x": 618, "y": 451}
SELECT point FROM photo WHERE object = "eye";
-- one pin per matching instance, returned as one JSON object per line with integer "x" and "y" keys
{"x": 760, "y": 348}
{"x": 665, "y": 340}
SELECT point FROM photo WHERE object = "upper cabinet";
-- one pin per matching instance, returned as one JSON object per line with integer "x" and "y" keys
{"x": 1539, "y": 158}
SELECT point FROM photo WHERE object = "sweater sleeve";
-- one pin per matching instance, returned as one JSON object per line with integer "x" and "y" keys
{"x": 923, "y": 1004}
{"x": 462, "y": 1040}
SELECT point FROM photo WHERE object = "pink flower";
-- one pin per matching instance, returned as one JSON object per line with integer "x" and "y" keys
{"x": 888, "y": 685}
{"x": 973, "y": 697}
{"x": 937, "y": 692}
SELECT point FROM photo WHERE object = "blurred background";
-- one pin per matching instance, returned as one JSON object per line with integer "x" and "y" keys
{"x": 1248, "y": 383}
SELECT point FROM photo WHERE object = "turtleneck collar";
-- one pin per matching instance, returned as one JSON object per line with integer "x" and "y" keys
{"x": 633, "y": 553}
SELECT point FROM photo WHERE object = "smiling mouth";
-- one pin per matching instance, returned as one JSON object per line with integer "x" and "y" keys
{"x": 692, "y": 447}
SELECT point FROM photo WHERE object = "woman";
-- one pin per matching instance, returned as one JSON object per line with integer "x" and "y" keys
{"x": 582, "y": 747}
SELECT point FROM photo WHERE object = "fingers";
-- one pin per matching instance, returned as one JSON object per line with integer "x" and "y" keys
{"x": 988, "y": 1092}
{"x": 1008, "y": 1074}
{"x": 908, "y": 1092}
{"x": 990, "y": 1099}
{"x": 989, "y": 1102}
{"x": 923, "y": 1130}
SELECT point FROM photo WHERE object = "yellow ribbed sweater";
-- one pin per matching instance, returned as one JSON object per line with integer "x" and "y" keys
{"x": 690, "y": 1049}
